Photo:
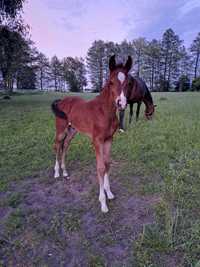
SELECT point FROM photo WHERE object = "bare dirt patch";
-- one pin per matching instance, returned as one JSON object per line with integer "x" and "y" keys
{"x": 59, "y": 222}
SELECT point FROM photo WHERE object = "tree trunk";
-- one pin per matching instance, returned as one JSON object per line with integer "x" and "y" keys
{"x": 100, "y": 75}
{"x": 56, "y": 85}
{"x": 41, "y": 80}
{"x": 165, "y": 69}
{"x": 152, "y": 76}
{"x": 169, "y": 73}
{"x": 139, "y": 56}
{"x": 196, "y": 64}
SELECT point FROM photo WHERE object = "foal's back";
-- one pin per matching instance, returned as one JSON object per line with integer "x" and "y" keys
{"x": 88, "y": 116}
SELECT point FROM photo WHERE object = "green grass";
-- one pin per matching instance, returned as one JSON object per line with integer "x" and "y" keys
{"x": 27, "y": 133}
{"x": 163, "y": 153}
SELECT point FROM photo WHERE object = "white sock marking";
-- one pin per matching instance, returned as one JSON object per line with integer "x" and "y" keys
{"x": 56, "y": 169}
{"x": 107, "y": 187}
{"x": 65, "y": 173}
{"x": 102, "y": 199}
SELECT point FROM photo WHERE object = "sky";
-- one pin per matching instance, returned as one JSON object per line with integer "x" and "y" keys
{"x": 68, "y": 27}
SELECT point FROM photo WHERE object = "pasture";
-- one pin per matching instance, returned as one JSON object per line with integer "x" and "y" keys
{"x": 155, "y": 174}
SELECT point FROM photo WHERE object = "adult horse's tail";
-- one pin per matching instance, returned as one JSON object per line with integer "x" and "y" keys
{"x": 58, "y": 113}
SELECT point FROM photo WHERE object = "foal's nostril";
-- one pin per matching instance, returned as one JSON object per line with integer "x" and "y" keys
{"x": 119, "y": 102}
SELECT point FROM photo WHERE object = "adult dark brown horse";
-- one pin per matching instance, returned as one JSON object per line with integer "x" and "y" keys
{"x": 137, "y": 92}
{"x": 97, "y": 119}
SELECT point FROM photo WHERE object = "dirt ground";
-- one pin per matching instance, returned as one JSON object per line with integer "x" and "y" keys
{"x": 58, "y": 222}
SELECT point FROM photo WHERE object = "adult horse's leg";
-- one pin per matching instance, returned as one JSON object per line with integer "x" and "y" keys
{"x": 138, "y": 110}
{"x": 131, "y": 112}
{"x": 70, "y": 135}
{"x": 121, "y": 120}
{"x": 106, "y": 151}
{"x": 100, "y": 173}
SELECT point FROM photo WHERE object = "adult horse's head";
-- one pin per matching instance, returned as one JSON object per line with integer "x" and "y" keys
{"x": 118, "y": 80}
{"x": 150, "y": 111}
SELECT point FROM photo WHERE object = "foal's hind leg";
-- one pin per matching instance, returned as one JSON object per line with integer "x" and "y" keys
{"x": 106, "y": 151}
{"x": 60, "y": 135}
{"x": 57, "y": 148}
{"x": 138, "y": 110}
{"x": 70, "y": 135}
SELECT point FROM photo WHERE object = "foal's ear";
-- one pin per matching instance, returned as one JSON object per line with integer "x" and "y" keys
{"x": 112, "y": 63}
{"x": 128, "y": 64}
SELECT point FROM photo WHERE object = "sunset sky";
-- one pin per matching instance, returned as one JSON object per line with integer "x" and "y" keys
{"x": 68, "y": 27}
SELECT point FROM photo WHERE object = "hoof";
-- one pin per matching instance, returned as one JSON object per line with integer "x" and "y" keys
{"x": 66, "y": 177}
{"x": 104, "y": 209}
{"x": 56, "y": 176}
{"x": 121, "y": 130}
{"x": 65, "y": 174}
{"x": 110, "y": 196}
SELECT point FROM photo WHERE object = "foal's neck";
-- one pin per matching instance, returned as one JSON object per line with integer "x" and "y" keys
{"x": 107, "y": 100}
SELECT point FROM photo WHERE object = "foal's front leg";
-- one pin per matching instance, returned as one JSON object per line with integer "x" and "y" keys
{"x": 101, "y": 175}
{"x": 106, "y": 151}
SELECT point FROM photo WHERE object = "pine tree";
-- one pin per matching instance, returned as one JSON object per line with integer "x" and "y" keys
{"x": 56, "y": 72}
{"x": 95, "y": 64}
{"x": 74, "y": 73}
{"x": 152, "y": 63}
{"x": 43, "y": 69}
{"x": 139, "y": 46}
{"x": 170, "y": 58}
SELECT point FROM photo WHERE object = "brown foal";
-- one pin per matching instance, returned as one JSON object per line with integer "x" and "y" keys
{"x": 97, "y": 119}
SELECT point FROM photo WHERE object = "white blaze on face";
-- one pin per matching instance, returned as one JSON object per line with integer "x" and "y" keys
{"x": 122, "y": 100}
{"x": 121, "y": 77}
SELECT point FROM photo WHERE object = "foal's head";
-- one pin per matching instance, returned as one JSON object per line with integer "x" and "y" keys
{"x": 118, "y": 80}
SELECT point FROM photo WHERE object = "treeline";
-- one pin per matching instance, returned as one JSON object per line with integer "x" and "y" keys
{"x": 23, "y": 67}
{"x": 165, "y": 65}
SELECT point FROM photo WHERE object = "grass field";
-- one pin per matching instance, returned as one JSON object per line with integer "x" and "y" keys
{"x": 155, "y": 218}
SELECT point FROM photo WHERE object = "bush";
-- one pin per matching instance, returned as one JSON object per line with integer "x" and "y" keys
{"x": 183, "y": 84}
{"x": 196, "y": 84}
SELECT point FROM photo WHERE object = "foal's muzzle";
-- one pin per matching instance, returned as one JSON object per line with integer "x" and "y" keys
{"x": 121, "y": 105}
{"x": 121, "y": 102}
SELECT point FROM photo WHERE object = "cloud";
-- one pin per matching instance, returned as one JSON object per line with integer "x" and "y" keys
{"x": 68, "y": 27}
{"x": 189, "y": 6}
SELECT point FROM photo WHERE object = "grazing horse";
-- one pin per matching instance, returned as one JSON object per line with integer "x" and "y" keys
{"x": 137, "y": 92}
{"x": 97, "y": 119}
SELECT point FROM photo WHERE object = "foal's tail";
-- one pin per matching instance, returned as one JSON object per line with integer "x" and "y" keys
{"x": 58, "y": 113}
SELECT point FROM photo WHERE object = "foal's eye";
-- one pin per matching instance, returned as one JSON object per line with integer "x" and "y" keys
{"x": 111, "y": 83}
